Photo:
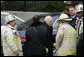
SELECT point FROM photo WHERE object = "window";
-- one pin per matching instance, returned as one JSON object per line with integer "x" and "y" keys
{"x": 3, "y": 19}
{"x": 18, "y": 22}
{"x": 55, "y": 18}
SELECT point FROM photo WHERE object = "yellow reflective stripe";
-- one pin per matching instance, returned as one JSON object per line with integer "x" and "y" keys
{"x": 74, "y": 49}
{"x": 57, "y": 46}
{"x": 46, "y": 50}
{"x": 71, "y": 31}
{"x": 14, "y": 48}
{"x": 9, "y": 55}
{"x": 17, "y": 40}
{"x": 10, "y": 38}
{"x": 4, "y": 41}
{"x": 57, "y": 37}
{"x": 81, "y": 31}
{"x": 20, "y": 54}
{"x": 69, "y": 38}
{"x": 67, "y": 53}
{"x": 6, "y": 55}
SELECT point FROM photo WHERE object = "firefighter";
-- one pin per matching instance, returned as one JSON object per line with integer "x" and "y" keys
{"x": 10, "y": 38}
{"x": 66, "y": 37}
{"x": 79, "y": 28}
{"x": 79, "y": 21}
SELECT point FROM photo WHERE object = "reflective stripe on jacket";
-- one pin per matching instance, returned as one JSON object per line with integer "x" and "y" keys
{"x": 10, "y": 41}
{"x": 66, "y": 40}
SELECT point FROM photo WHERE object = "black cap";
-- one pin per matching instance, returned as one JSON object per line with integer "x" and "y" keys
{"x": 36, "y": 18}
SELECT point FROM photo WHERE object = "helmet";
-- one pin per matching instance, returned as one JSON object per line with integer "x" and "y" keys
{"x": 64, "y": 17}
{"x": 65, "y": 1}
{"x": 9, "y": 18}
{"x": 79, "y": 8}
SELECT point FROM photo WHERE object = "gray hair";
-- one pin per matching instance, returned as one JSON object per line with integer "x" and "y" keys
{"x": 47, "y": 17}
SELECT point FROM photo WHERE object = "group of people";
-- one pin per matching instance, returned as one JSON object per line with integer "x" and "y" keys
{"x": 39, "y": 41}
{"x": 69, "y": 38}
{"x": 39, "y": 38}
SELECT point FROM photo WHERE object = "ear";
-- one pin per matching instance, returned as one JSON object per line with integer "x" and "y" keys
{"x": 62, "y": 22}
{"x": 82, "y": 13}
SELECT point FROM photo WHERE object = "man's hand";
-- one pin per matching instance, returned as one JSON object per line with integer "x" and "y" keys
{"x": 54, "y": 44}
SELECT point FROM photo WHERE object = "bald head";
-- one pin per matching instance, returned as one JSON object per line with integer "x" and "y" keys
{"x": 48, "y": 20}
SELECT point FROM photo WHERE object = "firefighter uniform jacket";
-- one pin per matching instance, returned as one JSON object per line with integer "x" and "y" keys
{"x": 66, "y": 40}
{"x": 10, "y": 41}
{"x": 79, "y": 26}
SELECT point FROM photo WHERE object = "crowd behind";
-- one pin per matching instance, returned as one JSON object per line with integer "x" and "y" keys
{"x": 39, "y": 41}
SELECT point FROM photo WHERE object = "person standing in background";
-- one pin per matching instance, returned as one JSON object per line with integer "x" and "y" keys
{"x": 36, "y": 35}
{"x": 79, "y": 21}
{"x": 79, "y": 28}
{"x": 48, "y": 24}
{"x": 73, "y": 15}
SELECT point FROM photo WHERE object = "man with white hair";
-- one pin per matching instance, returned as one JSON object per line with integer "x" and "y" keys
{"x": 48, "y": 20}
{"x": 48, "y": 24}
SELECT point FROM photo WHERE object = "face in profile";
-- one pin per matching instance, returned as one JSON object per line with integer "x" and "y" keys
{"x": 49, "y": 22}
{"x": 13, "y": 23}
{"x": 80, "y": 14}
{"x": 72, "y": 11}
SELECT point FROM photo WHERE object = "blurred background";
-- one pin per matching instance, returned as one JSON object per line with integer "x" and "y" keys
{"x": 36, "y": 6}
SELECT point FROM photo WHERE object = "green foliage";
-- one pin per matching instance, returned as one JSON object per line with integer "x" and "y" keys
{"x": 37, "y": 6}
